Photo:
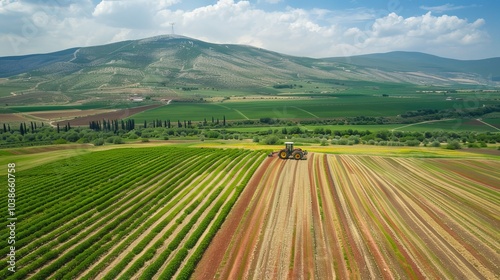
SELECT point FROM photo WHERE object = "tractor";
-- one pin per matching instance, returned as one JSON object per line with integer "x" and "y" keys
{"x": 290, "y": 152}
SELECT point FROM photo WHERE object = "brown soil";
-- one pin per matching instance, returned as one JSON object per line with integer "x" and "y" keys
{"x": 66, "y": 114}
{"x": 341, "y": 216}
{"x": 7, "y": 118}
{"x": 115, "y": 115}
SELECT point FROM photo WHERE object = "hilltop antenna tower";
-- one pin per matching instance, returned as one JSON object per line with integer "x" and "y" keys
{"x": 172, "y": 24}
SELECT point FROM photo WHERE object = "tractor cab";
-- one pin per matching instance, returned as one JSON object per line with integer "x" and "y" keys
{"x": 289, "y": 146}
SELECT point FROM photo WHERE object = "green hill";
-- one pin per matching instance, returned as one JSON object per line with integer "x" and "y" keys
{"x": 163, "y": 65}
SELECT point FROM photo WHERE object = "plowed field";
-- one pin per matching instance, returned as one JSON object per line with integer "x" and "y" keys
{"x": 362, "y": 217}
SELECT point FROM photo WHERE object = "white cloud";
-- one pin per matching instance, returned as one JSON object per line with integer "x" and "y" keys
{"x": 314, "y": 33}
{"x": 445, "y": 8}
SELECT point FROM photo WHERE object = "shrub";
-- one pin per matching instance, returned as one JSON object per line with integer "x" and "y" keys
{"x": 472, "y": 145}
{"x": 256, "y": 139}
{"x": 143, "y": 139}
{"x": 118, "y": 140}
{"x": 435, "y": 144}
{"x": 271, "y": 140}
{"x": 60, "y": 141}
{"x": 453, "y": 145}
{"x": 343, "y": 141}
{"x": 99, "y": 142}
{"x": 412, "y": 143}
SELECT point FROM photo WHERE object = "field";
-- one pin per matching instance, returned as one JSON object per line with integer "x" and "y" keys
{"x": 311, "y": 108}
{"x": 454, "y": 125}
{"x": 155, "y": 212}
{"x": 124, "y": 212}
{"x": 362, "y": 217}
{"x": 114, "y": 115}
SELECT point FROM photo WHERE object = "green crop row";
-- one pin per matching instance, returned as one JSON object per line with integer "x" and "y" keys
{"x": 206, "y": 189}
{"x": 175, "y": 263}
{"x": 38, "y": 260}
{"x": 154, "y": 201}
{"x": 118, "y": 268}
{"x": 37, "y": 243}
{"x": 191, "y": 263}
{"x": 152, "y": 269}
{"x": 82, "y": 222}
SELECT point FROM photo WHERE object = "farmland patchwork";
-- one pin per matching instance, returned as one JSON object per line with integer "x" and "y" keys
{"x": 169, "y": 212}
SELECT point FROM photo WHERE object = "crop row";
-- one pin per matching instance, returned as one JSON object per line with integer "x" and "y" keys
{"x": 124, "y": 212}
{"x": 35, "y": 240}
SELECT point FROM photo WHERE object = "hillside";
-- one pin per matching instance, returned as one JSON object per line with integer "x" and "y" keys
{"x": 163, "y": 64}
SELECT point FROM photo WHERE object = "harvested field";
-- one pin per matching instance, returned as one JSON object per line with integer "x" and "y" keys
{"x": 362, "y": 217}
{"x": 115, "y": 115}
{"x": 9, "y": 118}
{"x": 66, "y": 114}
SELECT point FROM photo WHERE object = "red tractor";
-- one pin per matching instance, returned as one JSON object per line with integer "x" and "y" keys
{"x": 290, "y": 152}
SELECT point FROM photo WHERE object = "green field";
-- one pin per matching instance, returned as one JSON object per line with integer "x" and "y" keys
{"x": 123, "y": 213}
{"x": 313, "y": 108}
{"x": 454, "y": 125}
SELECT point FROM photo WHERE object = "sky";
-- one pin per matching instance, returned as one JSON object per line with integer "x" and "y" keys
{"x": 455, "y": 29}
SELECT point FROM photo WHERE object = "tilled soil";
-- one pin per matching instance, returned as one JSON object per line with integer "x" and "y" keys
{"x": 342, "y": 216}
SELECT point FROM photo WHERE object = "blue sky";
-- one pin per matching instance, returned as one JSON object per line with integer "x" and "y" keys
{"x": 455, "y": 29}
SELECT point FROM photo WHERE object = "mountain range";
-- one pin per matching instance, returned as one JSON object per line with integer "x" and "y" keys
{"x": 177, "y": 61}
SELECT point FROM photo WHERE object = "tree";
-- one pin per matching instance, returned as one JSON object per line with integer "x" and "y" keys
{"x": 58, "y": 130}
{"x": 21, "y": 129}
{"x": 4, "y": 128}
{"x": 224, "y": 120}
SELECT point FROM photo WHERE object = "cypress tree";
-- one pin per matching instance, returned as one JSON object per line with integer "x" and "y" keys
{"x": 21, "y": 129}
{"x": 145, "y": 124}
{"x": 4, "y": 128}
{"x": 32, "y": 128}
{"x": 58, "y": 128}
{"x": 8, "y": 127}
{"x": 224, "y": 120}
{"x": 25, "y": 130}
